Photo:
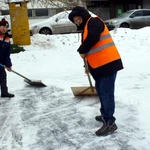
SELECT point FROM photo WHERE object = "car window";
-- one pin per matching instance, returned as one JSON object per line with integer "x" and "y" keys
{"x": 137, "y": 14}
{"x": 60, "y": 14}
{"x": 125, "y": 14}
{"x": 146, "y": 13}
{"x": 63, "y": 16}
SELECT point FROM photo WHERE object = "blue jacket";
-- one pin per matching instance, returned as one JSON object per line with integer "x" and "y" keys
{"x": 5, "y": 51}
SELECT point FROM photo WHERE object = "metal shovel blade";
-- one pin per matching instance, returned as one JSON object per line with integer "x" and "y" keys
{"x": 37, "y": 83}
{"x": 84, "y": 91}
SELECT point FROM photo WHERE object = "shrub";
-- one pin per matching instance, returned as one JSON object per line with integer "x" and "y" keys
{"x": 16, "y": 49}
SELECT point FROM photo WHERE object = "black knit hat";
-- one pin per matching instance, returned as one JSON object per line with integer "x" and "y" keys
{"x": 78, "y": 11}
{"x": 3, "y": 22}
{"x": 82, "y": 12}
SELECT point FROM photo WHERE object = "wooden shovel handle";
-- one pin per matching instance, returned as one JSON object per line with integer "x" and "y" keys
{"x": 87, "y": 70}
{"x": 16, "y": 73}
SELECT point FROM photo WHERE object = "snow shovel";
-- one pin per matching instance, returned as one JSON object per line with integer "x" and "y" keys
{"x": 37, "y": 83}
{"x": 84, "y": 90}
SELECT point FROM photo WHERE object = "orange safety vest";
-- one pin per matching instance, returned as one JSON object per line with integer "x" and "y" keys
{"x": 7, "y": 39}
{"x": 104, "y": 51}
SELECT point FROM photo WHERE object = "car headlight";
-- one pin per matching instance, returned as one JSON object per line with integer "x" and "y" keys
{"x": 111, "y": 22}
{"x": 114, "y": 22}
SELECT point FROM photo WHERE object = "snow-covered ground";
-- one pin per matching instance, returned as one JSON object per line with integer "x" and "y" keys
{"x": 51, "y": 118}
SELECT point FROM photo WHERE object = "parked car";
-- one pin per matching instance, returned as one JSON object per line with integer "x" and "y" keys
{"x": 56, "y": 24}
{"x": 134, "y": 19}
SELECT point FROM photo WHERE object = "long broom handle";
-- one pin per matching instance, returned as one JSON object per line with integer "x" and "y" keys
{"x": 87, "y": 70}
{"x": 15, "y": 72}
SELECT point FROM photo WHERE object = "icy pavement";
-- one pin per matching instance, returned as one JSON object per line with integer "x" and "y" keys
{"x": 50, "y": 119}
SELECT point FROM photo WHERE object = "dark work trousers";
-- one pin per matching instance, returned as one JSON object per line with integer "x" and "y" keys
{"x": 105, "y": 87}
{"x": 3, "y": 81}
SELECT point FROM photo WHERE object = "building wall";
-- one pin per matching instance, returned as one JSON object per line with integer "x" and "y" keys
{"x": 105, "y": 9}
{"x": 100, "y": 8}
{"x": 37, "y": 13}
{"x": 146, "y": 4}
{"x": 111, "y": 8}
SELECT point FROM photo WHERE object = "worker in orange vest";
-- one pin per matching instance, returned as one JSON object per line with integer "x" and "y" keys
{"x": 104, "y": 61}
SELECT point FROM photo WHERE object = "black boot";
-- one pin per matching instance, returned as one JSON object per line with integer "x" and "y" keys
{"x": 7, "y": 95}
{"x": 106, "y": 129}
{"x": 100, "y": 119}
{"x": 4, "y": 90}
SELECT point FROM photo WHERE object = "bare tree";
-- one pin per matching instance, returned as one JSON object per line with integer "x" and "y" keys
{"x": 65, "y": 4}
{"x": 59, "y": 3}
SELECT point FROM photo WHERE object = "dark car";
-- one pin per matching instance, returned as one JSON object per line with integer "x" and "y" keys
{"x": 134, "y": 19}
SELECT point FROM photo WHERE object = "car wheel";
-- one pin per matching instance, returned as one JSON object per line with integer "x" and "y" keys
{"x": 124, "y": 25}
{"x": 45, "y": 31}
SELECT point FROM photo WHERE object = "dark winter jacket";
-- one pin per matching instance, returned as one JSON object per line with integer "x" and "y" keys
{"x": 95, "y": 28}
{"x": 5, "y": 50}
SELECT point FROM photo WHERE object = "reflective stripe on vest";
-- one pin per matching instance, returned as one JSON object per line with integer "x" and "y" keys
{"x": 104, "y": 51}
